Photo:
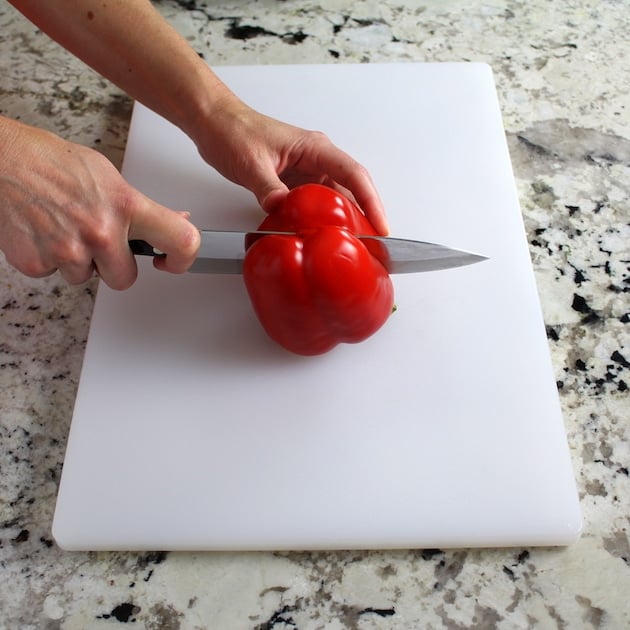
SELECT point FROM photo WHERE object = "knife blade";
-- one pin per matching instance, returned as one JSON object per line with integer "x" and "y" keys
{"x": 223, "y": 252}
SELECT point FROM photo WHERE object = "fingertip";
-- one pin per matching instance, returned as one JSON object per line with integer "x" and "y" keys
{"x": 120, "y": 279}
{"x": 186, "y": 238}
{"x": 384, "y": 228}
{"x": 187, "y": 247}
{"x": 191, "y": 240}
{"x": 127, "y": 282}
{"x": 375, "y": 214}
{"x": 362, "y": 187}
{"x": 270, "y": 200}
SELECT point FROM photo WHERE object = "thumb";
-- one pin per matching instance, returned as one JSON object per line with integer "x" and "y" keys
{"x": 267, "y": 187}
{"x": 169, "y": 231}
{"x": 272, "y": 197}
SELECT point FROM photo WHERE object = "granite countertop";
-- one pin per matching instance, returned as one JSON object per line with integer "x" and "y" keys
{"x": 562, "y": 74}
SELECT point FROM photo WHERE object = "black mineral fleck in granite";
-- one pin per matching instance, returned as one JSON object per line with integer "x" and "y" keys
{"x": 509, "y": 572}
{"x": 279, "y": 618}
{"x": 380, "y": 612}
{"x": 236, "y": 30}
{"x": 189, "y": 5}
{"x": 428, "y": 554}
{"x": 617, "y": 357}
{"x": 152, "y": 557}
{"x": 125, "y": 613}
{"x": 580, "y": 305}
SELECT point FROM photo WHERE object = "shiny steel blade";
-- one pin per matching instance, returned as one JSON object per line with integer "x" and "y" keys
{"x": 223, "y": 252}
{"x": 220, "y": 252}
{"x": 400, "y": 255}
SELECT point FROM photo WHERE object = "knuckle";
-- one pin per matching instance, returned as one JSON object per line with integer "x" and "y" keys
{"x": 318, "y": 137}
{"x": 360, "y": 170}
{"x": 359, "y": 174}
{"x": 33, "y": 266}
{"x": 100, "y": 239}
{"x": 68, "y": 252}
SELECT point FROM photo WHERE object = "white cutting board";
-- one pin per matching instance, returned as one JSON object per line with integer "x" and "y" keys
{"x": 192, "y": 430}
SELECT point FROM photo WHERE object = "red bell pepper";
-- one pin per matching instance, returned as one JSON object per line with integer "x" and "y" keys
{"x": 320, "y": 286}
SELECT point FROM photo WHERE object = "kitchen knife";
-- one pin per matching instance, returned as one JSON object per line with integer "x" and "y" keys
{"x": 223, "y": 252}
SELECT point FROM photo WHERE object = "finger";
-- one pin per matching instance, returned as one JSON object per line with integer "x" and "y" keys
{"x": 113, "y": 260}
{"x": 348, "y": 173}
{"x": 72, "y": 262}
{"x": 78, "y": 273}
{"x": 71, "y": 256}
{"x": 116, "y": 265}
{"x": 331, "y": 183}
{"x": 273, "y": 198}
{"x": 358, "y": 182}
{"x": 267, "y": 187}
{"x": 29, "y": 262}
{"x": 169, "y": 231}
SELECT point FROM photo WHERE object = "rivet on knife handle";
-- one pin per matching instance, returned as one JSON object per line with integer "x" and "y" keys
{"x": 142, "y": 248}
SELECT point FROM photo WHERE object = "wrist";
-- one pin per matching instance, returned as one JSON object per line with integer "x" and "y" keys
{"x": 214, "y": 116}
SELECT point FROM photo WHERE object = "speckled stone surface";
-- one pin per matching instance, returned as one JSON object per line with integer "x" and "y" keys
{"x": 563, "y": 78}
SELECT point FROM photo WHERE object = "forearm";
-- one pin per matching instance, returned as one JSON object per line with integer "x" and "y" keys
{"x": 128, "y": 42}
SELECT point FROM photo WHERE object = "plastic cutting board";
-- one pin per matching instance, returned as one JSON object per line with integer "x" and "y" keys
{"x": 192, "y": 430}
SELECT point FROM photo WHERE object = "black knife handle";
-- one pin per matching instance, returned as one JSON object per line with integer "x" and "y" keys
{"x": 142, "y": 248}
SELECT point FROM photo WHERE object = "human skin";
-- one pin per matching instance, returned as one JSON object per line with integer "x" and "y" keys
{"x": 67, "y": 208}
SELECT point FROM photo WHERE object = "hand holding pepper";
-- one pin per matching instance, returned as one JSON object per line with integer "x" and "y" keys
{"x": 270, "y": 157}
